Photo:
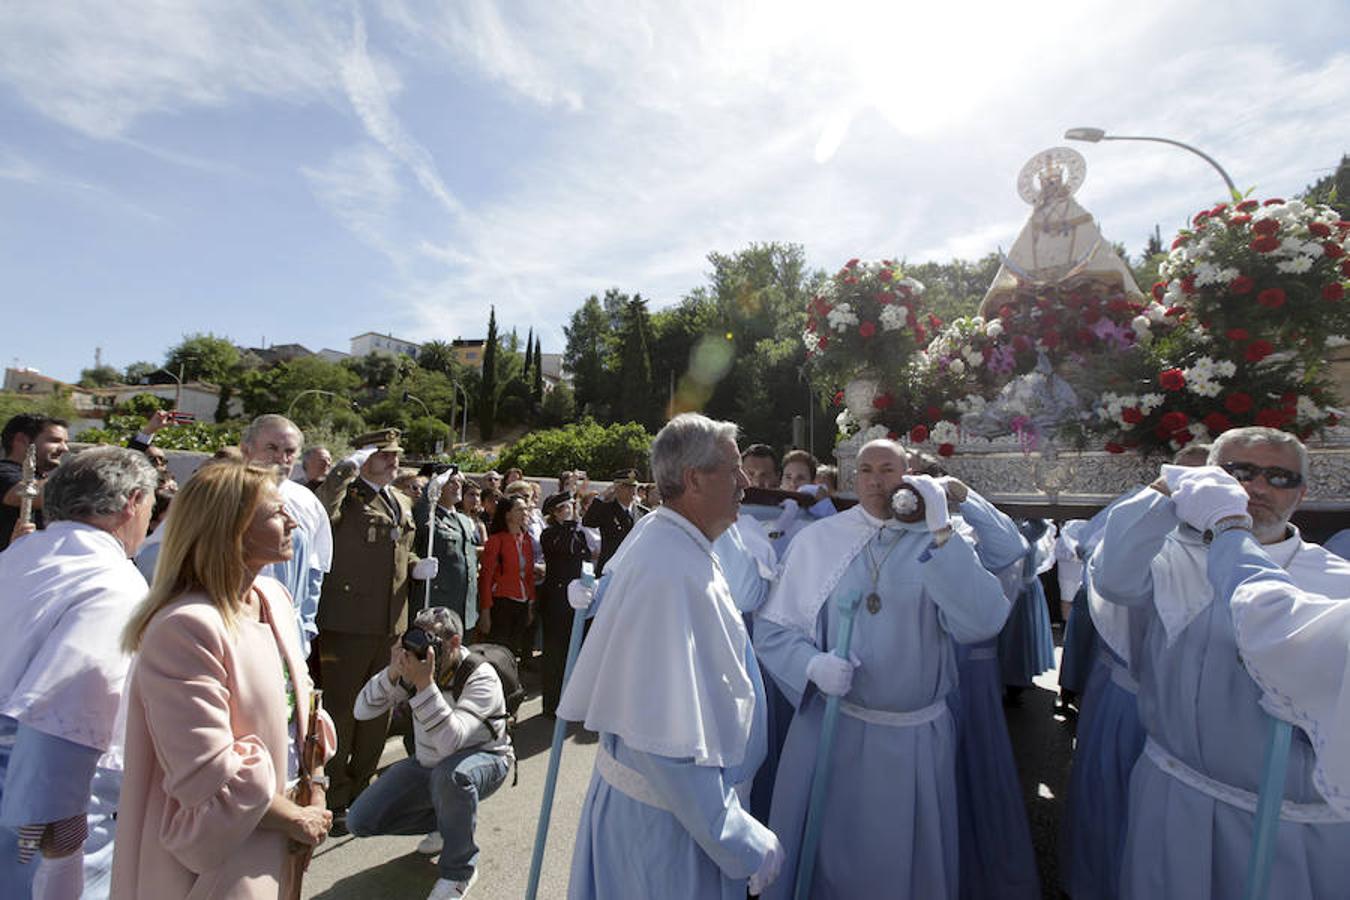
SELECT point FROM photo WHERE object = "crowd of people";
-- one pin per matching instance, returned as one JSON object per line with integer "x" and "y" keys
{"x": 795, "y": 694}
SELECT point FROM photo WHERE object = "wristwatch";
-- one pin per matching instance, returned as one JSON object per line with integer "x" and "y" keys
{"x": 1230, "y": 523}
{"x": 321, "y": 780}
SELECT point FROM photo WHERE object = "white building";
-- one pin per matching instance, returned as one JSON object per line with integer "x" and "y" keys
{"x": 374, "y": 342}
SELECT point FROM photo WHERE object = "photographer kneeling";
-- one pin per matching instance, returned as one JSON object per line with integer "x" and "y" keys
{"x": 463, "y": 751}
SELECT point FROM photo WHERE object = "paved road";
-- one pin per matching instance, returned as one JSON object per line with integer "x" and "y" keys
{"x": 354, "y": 869}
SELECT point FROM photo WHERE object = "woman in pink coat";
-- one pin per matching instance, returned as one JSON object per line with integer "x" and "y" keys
{"x": 217, "y": 706}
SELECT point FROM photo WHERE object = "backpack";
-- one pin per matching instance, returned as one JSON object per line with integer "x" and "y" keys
{"x": 504, "y": 662}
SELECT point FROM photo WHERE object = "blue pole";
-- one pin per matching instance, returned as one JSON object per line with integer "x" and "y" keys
{"x": 1267, "y": 823}
{"x": 554, "y": 758}
{"x": 806, "y": 862}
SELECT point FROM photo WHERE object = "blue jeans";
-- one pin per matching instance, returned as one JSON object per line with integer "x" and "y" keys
{"x": 412, "y": 799}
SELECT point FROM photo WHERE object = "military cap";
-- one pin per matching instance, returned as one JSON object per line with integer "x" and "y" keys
{"x": 383, "y": 439}
{"x": 626, "y": 476}
{"x": 556, "y": 500}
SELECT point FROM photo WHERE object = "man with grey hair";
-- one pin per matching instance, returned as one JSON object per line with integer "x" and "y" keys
{"x": 668, "y": 678}
{"x": 462, "y": 749}
{"x": 274, "y": 440}
{"x": 65, "y": 595}
{"x": 1193, "y": 791}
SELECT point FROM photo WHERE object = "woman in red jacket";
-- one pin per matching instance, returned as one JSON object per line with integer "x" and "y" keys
{"x": 506, "y": 579}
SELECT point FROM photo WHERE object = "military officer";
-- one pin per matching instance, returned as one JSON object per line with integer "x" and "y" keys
{"x": 614, "y": 513}
{"x": 365, "y": 599}
{"x": 456, "y": 584}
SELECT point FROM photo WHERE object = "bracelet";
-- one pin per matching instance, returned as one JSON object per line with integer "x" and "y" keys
{"x": 1230, "y": 523}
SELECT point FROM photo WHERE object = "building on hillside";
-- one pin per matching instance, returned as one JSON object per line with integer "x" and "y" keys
{"x": 374, "y": 342}
{"x": 92, "y": 405}
{"x": 277, "y": 353}
{"x": 328, "y": 354}
{"x": 469, "y": 352}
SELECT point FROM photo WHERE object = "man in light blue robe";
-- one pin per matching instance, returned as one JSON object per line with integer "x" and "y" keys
{"x": 889, "y": 818}
{"x": 669, "y": 680}
{"x": 1193, "y": 791}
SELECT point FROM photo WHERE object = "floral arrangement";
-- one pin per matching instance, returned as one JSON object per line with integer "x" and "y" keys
{"x": 867, "y": 318}
{"x": 1261, "y": 278}
{"x": 1259, "y": 292}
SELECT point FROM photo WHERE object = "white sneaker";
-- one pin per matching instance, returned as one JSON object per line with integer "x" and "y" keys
{"x": 431, "y": 844}
{"x": 445, "y": 889}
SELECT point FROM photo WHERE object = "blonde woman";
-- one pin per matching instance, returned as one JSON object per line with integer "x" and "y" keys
{"x": 218, "y": 704}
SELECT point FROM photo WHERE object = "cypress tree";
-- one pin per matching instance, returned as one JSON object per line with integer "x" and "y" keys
{"x": 538, "y": 374}
{"x": 487, "y": 400}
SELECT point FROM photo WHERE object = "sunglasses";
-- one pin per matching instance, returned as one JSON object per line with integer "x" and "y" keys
{"x": 1275, "y": 476}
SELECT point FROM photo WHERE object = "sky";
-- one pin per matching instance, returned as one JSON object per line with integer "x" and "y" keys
{"x": 284, "y": 172}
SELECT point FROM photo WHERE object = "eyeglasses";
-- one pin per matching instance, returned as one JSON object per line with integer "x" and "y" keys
{"x": 1275, "y": 476}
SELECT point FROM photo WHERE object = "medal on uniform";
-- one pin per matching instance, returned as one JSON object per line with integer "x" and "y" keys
{"x": 874, "y": 569}
{"x": 873, "y": 603}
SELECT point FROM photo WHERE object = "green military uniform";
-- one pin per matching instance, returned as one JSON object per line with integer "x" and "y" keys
{"x": 363, "y": 606}
{"x": 456, "y": 583}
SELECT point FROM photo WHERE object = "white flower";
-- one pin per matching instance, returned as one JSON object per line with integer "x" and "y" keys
{"x": 892, "y": 317}
{"x": 1296, "y": 266}
{"x": 975, "y": 358}
{"x": 1156, "y": 312}
{"x": 1140, "y": 324}
{"x": 956, "y": 367}
{"x": 1309, "y": 411}
{"x": 811, "y": 340}
{"x": 1150, "y": 402}
{"x": 994, "y": 328}
{"x": 1207, "y": 273}
{"x": 944, "y": 432}
{"x": 841, "y": 317}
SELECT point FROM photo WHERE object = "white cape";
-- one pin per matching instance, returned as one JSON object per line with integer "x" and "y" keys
{"x": 664, "y": 666}
{"x": 65, "y": 595}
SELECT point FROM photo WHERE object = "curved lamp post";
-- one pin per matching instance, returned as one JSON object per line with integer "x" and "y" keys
{"x": 296, "y": 398}
{"x": 1096, "y": 135}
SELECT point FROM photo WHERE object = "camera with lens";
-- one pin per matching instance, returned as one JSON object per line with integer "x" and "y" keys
{"x": 416, "y": 640}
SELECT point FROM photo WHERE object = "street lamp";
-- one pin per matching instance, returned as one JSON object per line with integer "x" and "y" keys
{"x": 178, "y": 392}
{"x": 407, "y": 396}
{"x": 1096, "y": 135}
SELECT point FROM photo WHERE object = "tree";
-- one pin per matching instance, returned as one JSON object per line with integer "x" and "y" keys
{"x": 538, "y": 390}
{"x": 588, "y": 335}
{"x": 137, "y": 372}
{"x": 379, "y": 370}
{"x": 1333, "y": 189}
{"x": 529, "y": 354}
{"x": 558, "y": 408}
{"x": 487, "y": 396}
{"x": 437, "y": 356}
{"x": 424, "y": 433}
{"x": 634, "y": 370}
{"x": 99, "y": 376}
{"x": 955, "y": 288}
{"x": 204, "y": 357}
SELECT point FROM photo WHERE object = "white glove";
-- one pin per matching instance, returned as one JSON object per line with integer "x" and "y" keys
{"x": 1205, "y": 494}
{"x": 426, "y": 569}
{"x": 834, "y": 676}
{"x": 580, "y": 594}
{"x": 359, "y": 458}
{"x": 934, "y": 500}
{"x": 769, "y": 867}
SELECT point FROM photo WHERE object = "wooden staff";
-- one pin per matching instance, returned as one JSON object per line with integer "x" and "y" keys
{"x": 311, "y": 757}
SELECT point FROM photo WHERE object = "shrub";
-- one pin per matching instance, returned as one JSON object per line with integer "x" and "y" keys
{"x": 600, "y": 450}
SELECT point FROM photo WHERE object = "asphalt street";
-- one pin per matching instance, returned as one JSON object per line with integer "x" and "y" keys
{"x": 350, "y": 868}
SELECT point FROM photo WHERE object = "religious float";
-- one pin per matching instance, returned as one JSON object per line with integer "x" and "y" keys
{"x": 1072, "y": 385}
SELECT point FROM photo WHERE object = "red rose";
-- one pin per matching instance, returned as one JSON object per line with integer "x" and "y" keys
{"x": 933, "y": 413}
{"x": 1183, "y": 438}
{"x": 1200, "y": 218}
{"x": 1334, "y": 291}
{"x": 918, "y": 434}
{"x": 1248, "y": 205}
{"x": 1092, "y": 315}
{"x": 885, "y": 275}
{"x": 1132, "y": 415}
{"x": 1238, "y": 403}
{"x": 823, "y": 342}
{"x": 838, "y": 398}
{"x": 1237, "y": 334}
{"x": 1218, "y": 208}
{"x": 1333, "y": 251}
{"x": 1050, "y": 339}
{"x": 1178, "y": 241}
{"x": 1188, "y": 284}
{"x": 1021, "y": 343}
{"x": 1319, "y": 229}
{"x": 1113, "y": 447}
{"x": 882, "y": 401}
{"x": 1005, "y": 311}
{"x": 1274, "y": 201}
{"x": 1217, "y": 423}
{"x": 1159, "y": 289}
{"x": 946, "y": 449}
{"x": 1258, "y": 350}
{"x": 851, "y": 264}
{"x": 920, "y": 334}
{"x": 1174, "y": 421}
{"x": 1271, "y": 298}
{"x": 1345, "y": 267}
{"x": 891, "y": 435}
{"x": 1271, "y": 418}
{"x": 1243, "y": 284}
{"x": 1239, "y": 220}
{"x": 1266, "y": 226}
{"x": 1172, "y": 379}
{"x": 867, "y": 329}
{"x": 851, "y": 280}
{"x": 1265, "y": 244}
{"x": 1176, "y": 311}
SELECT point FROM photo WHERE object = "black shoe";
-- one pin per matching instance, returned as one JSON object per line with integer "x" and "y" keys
{"x": 339, "y": 828}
